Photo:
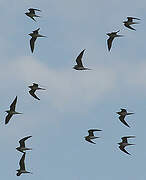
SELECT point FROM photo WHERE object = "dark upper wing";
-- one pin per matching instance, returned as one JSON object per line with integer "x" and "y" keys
{"x": 32, "y": 41}
{"x": 131, "y": 18}
{"x": 89, "y": 140}
{"x": 35, "y": 85}
{"x": 109, "y": 42}
{"x": 36, "y": 31}
{"x": 32, "y": 18}
{"x": 32, "y": 93}
{"x": 128, "y": 26}
{"x": 79, "y": 59}
{"x": 124, "y": 139}
{"x": 36, "y": 9}
{"x": 22, "y": 141}
{"x": 91, "y": 131}
{"x": 13, "y": 105}
{"x": 122, "y": 149}
{"x": 21, "y": 163}
{"x": 123, "y": 121}
{"x": 123, "y": 110}
{"x": 8, "y": 117}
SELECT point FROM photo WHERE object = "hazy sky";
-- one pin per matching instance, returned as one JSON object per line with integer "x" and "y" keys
{"x": 75, "y": 101}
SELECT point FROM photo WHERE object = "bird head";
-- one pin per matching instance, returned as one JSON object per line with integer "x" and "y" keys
{"x": 108, "y": 34}
{"x": 30, "y": 34}
{"x": 18, "y": 172}
{"x": 75, "y": 67}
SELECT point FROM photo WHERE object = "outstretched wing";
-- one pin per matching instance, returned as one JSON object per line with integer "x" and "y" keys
{"x": 32, "y": 10}
{"x": 131, "y": 18}
{"x": 32, "y": 18}
{"x": 123, "y": 120}
{"x": 32, "y": 92}
{"x": 22, "y": 141}
{"x": 91, "y": 131}
{"x": 22, "y": 163}
{"x": 128, "y": 26}
{"x": 32, "y": 42}
{"x": 89, "y": 140}
{"x": 13, "y": 105}
{"x": 8, "y": 117}
{"x": 79, "y": 59}
{"x": 109, "y": 42}
{"x": 123, "y": 149}
{"x": 123, "y": 110}
{"x": 35, "y": 85}
{"x": 124, "y": 139}
{"x": 36, "y": 31}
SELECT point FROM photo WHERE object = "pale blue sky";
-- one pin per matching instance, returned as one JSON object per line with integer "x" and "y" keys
{"x": 74, "y": 101}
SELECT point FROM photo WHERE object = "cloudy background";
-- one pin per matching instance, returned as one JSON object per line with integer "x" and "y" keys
{"x": 74, "y": 101}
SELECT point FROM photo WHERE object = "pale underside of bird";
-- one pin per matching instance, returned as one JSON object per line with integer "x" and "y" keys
{"x": 112, "y": 35}
{"x": 79, "y": 65}
{"x": 91, "y": 135}
{"x": 33, "y": 88}
{"x": 22, "y": 166}
{"x": 32, "y": 14}
{"x": 22, "y": 147}
{"x": 130, "y": 21}
{"x": 123, "y": 113}
{"x": 12, "y": 111}
{"x": 125, "y": 143}
{"x": 34, "y": 36}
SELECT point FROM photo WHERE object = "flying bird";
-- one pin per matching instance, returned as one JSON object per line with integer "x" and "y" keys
{"x": 91, "y": 135}
{"x": 112, "y": 35}
{"x": 12, "y": 111}
{"x": 79, "y": 65}
{"x": 22, "y": 147}
{"x": 32, "y": 14}
{"x": 130, "y": 22}
{"x": 122, "y": 114}
{"x": 125, "y": 143}
{"x": 34, "y": 36}
{"x": 22, "y": 166}
{"x": 33, "y": 88}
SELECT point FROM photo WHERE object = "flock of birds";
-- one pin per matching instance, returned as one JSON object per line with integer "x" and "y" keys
{"x": 123, "y": 113}
{"x": 79, "y": 66}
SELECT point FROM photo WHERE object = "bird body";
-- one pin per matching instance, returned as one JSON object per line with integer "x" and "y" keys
{"x": 31, "y": 13}
{"x": 129, "y": 22}
{"x": 79, "y": 65}
{"x": 91, "y": 135}
{"x": 125, "y": 143}
{"x": 112, "y": 35}
{"x": 33, "y": 88}
{"x": 22, "y": 147}
{"x": 22, "y": 166}
{"x": 34, "y": 36}
{"x": 12, "y": 111}
{"x": 123, "y": 113}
